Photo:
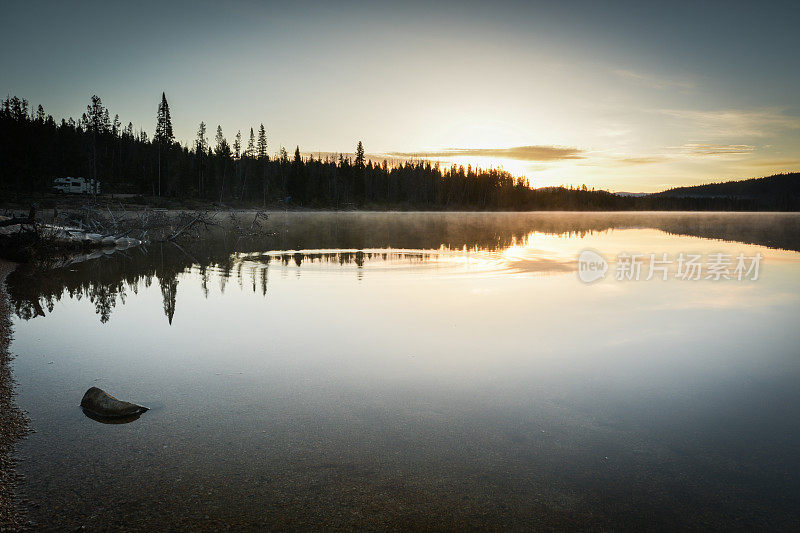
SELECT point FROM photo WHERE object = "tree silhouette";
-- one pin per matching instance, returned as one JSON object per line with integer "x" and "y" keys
{"x": 164, "y": 133}
{"x": 169, "y": 290}
{"x": 221, "y": 145}
{"x": 95, "y": 113}
{"x": 360, "y": 155}
{"x": 251, "y": 145}
{"x": 95, "y": 120}
{"x": 200, "y": 149}
{"x": 262, "y": 143}
{"x": 163, "y": 136}
{"x": 237, "y": 145}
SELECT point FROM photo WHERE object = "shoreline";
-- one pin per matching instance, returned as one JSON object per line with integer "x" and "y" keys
{"x": 13, "y": 422}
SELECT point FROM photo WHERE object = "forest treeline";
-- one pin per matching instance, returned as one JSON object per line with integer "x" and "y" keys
{"x": 35, "y": 149}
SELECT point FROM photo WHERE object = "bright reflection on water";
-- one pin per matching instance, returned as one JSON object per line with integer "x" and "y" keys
{"x": 418, "y": 370}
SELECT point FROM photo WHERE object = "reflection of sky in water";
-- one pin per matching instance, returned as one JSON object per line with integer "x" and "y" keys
{"x": 453, "y": 382}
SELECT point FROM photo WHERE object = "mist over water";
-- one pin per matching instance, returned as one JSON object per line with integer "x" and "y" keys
{"x": 418, "y": 369}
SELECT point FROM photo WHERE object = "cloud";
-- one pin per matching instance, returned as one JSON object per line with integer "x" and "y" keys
{"x": 704, "y": 149}
{"x": 654, "y": 82}
{"x": 642, "y": 160}
{"x": 520, "y": 153}
{"x": 780, "y": 163}
{"x": 738, "y": 123}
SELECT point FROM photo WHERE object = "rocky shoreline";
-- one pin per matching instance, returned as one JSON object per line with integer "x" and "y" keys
{"x": 13, "y": 423}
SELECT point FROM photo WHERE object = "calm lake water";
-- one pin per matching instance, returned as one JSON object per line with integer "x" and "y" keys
{"x": 419, "y": 370}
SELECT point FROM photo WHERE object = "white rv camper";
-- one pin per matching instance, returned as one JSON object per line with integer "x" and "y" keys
{"x": 75, "y": 185}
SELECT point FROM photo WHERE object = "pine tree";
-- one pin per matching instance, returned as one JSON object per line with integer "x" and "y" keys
{"x": 360, "y": 155}
{"x": 251, "y": 145}
{"x": 262, "y": 143}
{"x": 223, "y": 151}
{"x": 249, "y": 153}
{"x": 263, "y": 158}
{"x": 200, "y": 147}
{"x": 296, "y": 185}
{"x": 163, "y": 137}
{"x": 221, "y": 148}
{"x": 360, "y": 178}
{"x": 164, "y": 133}
{"x": 201, "y": 144}
{"x": 18, "y": 109}
{"x": 95, "y": 120}
{"x": 237, "y": 145}
{"x": 94, "y": 115}
{"x": 116, "y": 126}
{"x": 106, "y": 125}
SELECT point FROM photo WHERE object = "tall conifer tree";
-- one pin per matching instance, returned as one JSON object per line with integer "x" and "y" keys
{"x": 164, "y": 133}
{"x": 251, "y": 145}
{"x": 163, "y": 137}
{"x": 262, "y": 142}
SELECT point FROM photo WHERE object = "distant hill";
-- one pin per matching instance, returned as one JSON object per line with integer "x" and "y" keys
{"x": 780, "y": 192}
{"x": 779, "y": 185}
{"x": 632, "y": 194}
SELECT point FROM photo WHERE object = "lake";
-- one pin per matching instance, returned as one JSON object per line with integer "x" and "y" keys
{"x": 422, "y": 370}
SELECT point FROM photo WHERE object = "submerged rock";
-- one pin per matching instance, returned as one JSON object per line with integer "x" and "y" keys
{"x": 101, "y": 404}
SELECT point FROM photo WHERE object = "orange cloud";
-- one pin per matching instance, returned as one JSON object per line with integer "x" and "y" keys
{"x": 716, "y": 149}
{"x": 520, "y": 153}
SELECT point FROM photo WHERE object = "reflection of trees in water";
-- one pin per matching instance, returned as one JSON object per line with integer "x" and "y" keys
{"x": 339, "y": 257}
{"x": 169, "y": 289}
{"x": 345, "y": 239}
{"x": 109, "y": 279}
{"x": 496, "y": 231}
{"x": 39, "y": 298}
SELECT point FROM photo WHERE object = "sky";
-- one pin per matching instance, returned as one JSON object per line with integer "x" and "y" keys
{"x": 625, "y": 96}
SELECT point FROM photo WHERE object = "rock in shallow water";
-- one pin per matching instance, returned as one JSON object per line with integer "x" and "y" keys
{"x": 102, "y": 404}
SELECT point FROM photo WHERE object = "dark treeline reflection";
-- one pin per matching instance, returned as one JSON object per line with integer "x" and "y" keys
{"x": 497, "y": 231}
{"x": 347, "y": 239}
